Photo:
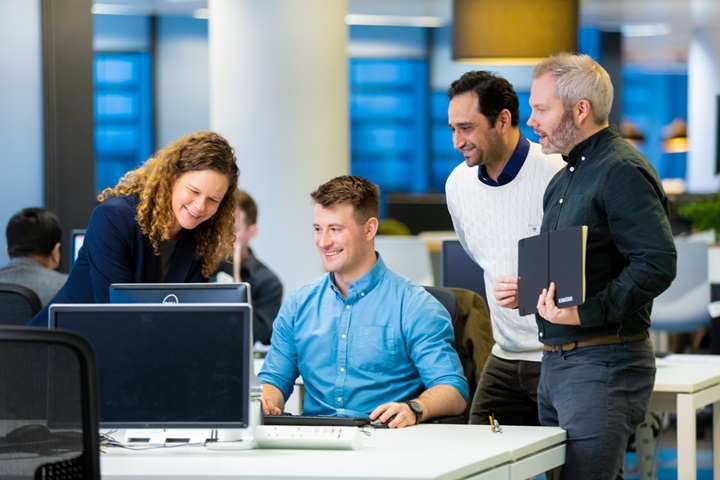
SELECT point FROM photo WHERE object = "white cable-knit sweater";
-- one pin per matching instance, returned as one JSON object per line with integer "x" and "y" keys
{"x": 489, "y": 221}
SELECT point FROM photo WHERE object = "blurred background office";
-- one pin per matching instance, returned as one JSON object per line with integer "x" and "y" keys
{"x": 266, "y": 290}
{"x": 309, "y": 90}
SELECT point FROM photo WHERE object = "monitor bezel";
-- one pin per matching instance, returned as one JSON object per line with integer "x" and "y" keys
{"x": 123, "y": 292}
{"x": 247, "y": 353}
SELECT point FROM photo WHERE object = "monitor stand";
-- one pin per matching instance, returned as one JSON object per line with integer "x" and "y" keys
{"x": 158, "y": 436}
{"x": 239, "y": 438}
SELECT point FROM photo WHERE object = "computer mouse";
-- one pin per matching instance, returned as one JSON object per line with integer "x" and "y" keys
{"x": 377, "y": 423}
{"x": 27, "y": 434}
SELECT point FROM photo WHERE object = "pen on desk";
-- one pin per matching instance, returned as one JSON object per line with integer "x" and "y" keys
{"x": 495, "y": 425}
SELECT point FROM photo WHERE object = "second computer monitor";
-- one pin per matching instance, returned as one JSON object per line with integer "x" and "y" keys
{"x": 180, "y": 293}
{"x": 458, "y": 269}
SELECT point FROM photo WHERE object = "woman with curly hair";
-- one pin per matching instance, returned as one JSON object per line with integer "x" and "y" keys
{"x": 169, "y": 221}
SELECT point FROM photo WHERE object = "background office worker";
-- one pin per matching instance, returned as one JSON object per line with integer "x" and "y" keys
{"x": 495, "y": 199}
{"x": 366, "y": 341}
{"x": 265, "y": 287}
{"x": 33, "y": 246}
{"x": 170, "y": 220}
{"x": 598, "y": 369}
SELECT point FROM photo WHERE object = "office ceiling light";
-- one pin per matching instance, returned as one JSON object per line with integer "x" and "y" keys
{"x": 201, "y": 13}
{"x": 675, "y": 139}
{"x": 513, "y": 31}
{"x": 630, "y": 132}
{"x": 112, "y": 9}
{"x": 645, "y": 29}
{"x": 394, "y": 20}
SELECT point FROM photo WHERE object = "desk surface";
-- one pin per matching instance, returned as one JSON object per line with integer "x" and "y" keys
{"x": 684, "y": 384}
{"x": 421, "y": 452}
{"x": 687, "y": 373}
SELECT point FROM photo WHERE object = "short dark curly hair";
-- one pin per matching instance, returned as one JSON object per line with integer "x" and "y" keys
{"x": 494, "y": 93}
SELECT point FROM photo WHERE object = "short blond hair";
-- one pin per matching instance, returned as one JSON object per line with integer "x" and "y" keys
{"x": 579, "y": 77}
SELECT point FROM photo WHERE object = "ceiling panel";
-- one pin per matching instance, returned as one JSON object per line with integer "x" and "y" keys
{"x": 676, "y": 18}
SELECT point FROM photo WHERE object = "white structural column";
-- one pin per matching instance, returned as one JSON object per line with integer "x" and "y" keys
{"x": 21, "y": 110}
{"x": 703, "y": 90}
{"x": 278, "y": 93}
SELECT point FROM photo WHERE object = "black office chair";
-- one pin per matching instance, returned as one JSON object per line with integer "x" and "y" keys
{"x": 473, "y": 335}
{"x": 448, "y": 298}
{"x": 18, "y": 304}
{"x": 48, "y": 405}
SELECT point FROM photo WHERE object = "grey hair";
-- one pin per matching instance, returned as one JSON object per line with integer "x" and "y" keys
{"x": 579, "y": 77}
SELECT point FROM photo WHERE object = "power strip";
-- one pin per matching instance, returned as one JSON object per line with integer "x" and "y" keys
{"x": 308, "y": 437}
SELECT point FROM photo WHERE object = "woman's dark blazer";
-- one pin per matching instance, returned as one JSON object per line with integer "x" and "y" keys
{"x": 115, "y": 251}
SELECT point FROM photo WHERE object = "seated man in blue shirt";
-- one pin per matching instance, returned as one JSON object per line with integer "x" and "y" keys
{"x": 366, "y": 341}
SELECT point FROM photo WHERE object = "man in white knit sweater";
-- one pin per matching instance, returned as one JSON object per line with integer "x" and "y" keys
{"x": 495, "y": 198}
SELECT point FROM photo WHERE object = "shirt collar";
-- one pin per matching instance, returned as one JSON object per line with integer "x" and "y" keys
{"x": 365, "y": 283}
{"x": 590, "y": 144}
{"x": 22, "y": 260}
{"x": 512, "y": 168}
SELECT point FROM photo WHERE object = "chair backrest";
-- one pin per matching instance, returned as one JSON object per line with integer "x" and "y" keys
{"x": 473, "y": 331}
{"x": 18, "y": 304}
{"x": 48, "y": 405}
{"x": 447, "y": 298}
{"x": 683, "y": 307}
{"x": 408, "y": 256}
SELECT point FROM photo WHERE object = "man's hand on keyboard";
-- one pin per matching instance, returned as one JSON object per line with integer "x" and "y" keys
{"x": 272, "y": 400}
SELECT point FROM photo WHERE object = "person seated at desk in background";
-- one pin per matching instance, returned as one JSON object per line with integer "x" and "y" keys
{"x": 266, "y": 290}
{"x": 366, "y": 341}
{"x": 33, "y": 247}
{"x": 169, "y": 221}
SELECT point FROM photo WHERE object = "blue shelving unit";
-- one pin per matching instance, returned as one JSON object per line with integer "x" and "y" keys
{"x": 123, "y": 114}
{"x": 388, "y": 123}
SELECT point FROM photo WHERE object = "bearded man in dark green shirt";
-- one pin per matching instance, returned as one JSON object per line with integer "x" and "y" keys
{"x": 598, "y": 368}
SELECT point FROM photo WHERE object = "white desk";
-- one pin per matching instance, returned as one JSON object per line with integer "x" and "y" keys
{"x": 420, "y": 452}
{"x": 684, "y": 384}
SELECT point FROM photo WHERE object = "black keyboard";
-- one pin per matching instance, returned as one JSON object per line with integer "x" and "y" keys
{"x": 315, "y": 420}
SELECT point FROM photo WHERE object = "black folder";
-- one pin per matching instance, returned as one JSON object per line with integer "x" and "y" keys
{"x": 557, "y": 256}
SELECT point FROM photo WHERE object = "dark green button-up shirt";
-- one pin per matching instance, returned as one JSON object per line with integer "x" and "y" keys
{"x": 630, "y": 257}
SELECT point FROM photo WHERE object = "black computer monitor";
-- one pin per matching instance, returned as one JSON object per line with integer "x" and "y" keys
{"x": 167, "y": 366}
{"x": 458, "y": 269}
{"x": 77, "y": 238}
{"x": 180, "y": 293}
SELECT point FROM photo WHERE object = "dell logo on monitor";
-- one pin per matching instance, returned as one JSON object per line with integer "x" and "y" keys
{"x": 172, "y": 298}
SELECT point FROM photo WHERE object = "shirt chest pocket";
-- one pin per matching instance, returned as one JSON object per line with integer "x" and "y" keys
{"x": 374, "y": 349}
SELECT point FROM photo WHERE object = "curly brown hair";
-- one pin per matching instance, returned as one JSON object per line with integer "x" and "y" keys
{"x": 153, "y": 182}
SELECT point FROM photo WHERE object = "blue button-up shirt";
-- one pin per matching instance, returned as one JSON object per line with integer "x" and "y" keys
{"x": 388, "y": 341}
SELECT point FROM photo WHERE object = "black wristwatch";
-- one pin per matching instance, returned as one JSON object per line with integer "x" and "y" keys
{"x": 416, "y": 408}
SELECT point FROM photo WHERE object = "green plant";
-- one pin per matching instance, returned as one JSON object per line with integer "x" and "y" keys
{"x": 704, "y": 215}
{"x": 390, "y": 226}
